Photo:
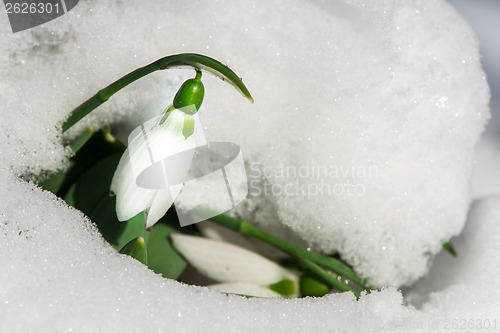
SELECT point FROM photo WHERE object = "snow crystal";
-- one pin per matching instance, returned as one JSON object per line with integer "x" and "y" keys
{"x": 389, "y": 97}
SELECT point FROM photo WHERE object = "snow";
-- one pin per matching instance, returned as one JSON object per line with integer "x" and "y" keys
{"x": 402, "y": 94}
{"x": 483, "y": 18}
{"x": 76, "y": 281}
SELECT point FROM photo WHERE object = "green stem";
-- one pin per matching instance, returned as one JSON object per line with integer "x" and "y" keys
{"x": 336, "y": 266}
{"x": 330, "y": 279}
{"x": 197, "y": 61}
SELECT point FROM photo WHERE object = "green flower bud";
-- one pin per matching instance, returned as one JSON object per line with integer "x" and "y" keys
{"x": 310, "y": 285}
{"x": 191, "y": 92}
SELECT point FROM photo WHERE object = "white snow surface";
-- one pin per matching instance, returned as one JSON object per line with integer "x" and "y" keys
{"x": 390, "y": 86}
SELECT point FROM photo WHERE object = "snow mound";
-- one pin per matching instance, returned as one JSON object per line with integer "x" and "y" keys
{"x": 361, "y": 137}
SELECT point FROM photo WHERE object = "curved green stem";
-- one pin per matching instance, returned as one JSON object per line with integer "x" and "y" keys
{"x": 311, "y": 259}
{"x": 330, "y": 279}
{"x": 197, "y": 61}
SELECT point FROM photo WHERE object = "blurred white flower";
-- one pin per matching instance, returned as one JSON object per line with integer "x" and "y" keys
{"x": 152, "y": 143}
{"x": 235, "y": 266}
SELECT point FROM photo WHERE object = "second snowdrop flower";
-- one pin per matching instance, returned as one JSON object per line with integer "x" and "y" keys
{"x": 240, "y": 270}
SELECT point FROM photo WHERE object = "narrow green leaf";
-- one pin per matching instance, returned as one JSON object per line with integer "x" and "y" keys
{"x": 449, "y": 247}
{"x": 115, "y": 232}
{"x": 81, "y": 140}
{"x": 112, "y": 141}
{"x": 174, "y": 61}
{"x": 328, "y": 277}
{"x": 136, "y": 248}
{"x": 163, "y": 258}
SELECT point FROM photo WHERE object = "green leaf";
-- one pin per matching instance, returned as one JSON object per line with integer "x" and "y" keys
{"x": 99, "y": 146}
{"x": 163, "y": 258}
{"x": 115, "y": 232}
{"x": 80, "y": 141}
{"x": 136, "y": 248}
{"x": 54, "y": 182}
{"x": 104, "y": 216}
{"x": 89, "y": 150}
{"x": 93, "y": 185}
{"x": 449, "y": 247}
{"x": 90, "y": 194}
{"x": 130, "y": 229}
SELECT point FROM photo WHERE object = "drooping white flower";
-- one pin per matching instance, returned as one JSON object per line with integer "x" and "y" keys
{"x": 149, "y": 147}
{"x": 228, "y": 263}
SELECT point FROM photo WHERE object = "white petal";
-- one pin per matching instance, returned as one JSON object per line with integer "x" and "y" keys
{"x": 150, "y": 143}
{"x": 162, "y": 143}
{"x": 175, "y": 121}
{"x": 248, "y": 289}
{"x": 130, "y": 198}
{"x": 219, "y": 233}
{"x": 225, "y": 262}
{"x": 159, "y": 206}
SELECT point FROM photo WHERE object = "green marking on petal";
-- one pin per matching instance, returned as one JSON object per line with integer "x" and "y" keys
{"x": 284, "y": 287}
{"x": 188, "y": 127}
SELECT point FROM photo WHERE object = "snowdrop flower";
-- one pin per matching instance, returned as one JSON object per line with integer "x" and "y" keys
{"x": 240, "y": 271}
{"x": 174, "y": 131}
